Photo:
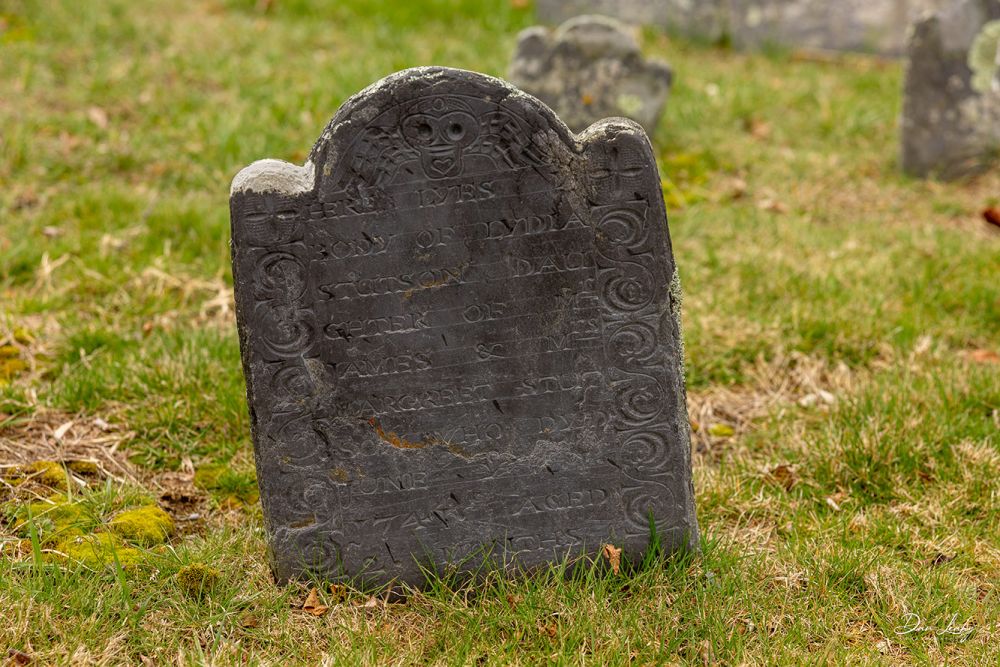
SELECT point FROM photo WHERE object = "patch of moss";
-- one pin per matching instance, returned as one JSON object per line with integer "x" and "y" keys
{"x": 197, "y": 579}
{"x": 147, "y": 525}
{"x": 47, "y": 473}
{"x": 11, "y": 363}
{"x": 88, "y": 468}
{"x": 96, "y": 550}
{"x": 55, "y": 520}
{"x": 228, "y": 485}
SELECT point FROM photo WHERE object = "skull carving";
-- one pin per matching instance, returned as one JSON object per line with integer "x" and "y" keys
{"x": 440, "y": 134}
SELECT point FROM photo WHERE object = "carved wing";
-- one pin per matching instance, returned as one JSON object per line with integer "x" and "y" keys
{"x": 376, "y": 155}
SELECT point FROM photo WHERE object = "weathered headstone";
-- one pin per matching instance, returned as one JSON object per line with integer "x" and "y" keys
{"x": 591, "y": 68}
{"x": 951, "y": 98}
{"x": 460, "y": 333}
{"x": 845, "y": 25}
{"x": 695, "y": 17}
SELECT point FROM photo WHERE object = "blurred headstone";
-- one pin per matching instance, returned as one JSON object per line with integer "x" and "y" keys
{"x": 877, "y": 26}
{"x": 591, "y": 68}
{"x": 951, "y": 100}
{"x": 460, "y": 331}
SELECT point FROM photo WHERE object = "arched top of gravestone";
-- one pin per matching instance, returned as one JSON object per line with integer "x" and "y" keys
{"x": 430, "y": 122}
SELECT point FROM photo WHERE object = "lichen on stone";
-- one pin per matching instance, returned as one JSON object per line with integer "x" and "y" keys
{"x": 984, "y": 59}
{"x": 197, "y": 579}
{"x": 146, "y": 526}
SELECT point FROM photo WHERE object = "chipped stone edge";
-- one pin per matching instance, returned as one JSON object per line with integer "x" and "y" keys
{"x": 276, "y": 176}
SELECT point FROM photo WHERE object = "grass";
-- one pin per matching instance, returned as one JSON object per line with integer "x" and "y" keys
{"x": 840, "y": 322}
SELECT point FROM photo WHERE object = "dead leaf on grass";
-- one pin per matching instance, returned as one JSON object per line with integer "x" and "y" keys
{"x": 98, "y": 117}
{"x": 614, "y": 556}
{"x": 940, "y": 559}
{"x": 783, "y": 475}
{"x": 983, "y": 356}
{"x": 15, "y": 657}
{"x": 992, "y": 215}
{"x": 249, "y": 620}
{"x": 772, "y": 205}
{"x": 61, "y": 432}
{"x": 758, "y": 129}
{"x": 312, "y": 604}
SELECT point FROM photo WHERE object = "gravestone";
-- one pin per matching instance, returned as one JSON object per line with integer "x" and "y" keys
{"x": 692, "y": 17}
{"x": 950, "y": 122}
{"x": 591, "y": 68}
{"x": 877, "y": 26}
{"x": 459, "y": 326}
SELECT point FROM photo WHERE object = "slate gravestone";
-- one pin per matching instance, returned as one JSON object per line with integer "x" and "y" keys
{"x": 460, "y": 333}
{"x": 950, "y": 122}
{"x": 591, "y": 68}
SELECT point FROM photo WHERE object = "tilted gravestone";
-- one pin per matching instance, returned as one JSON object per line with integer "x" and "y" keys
{"x": 460, "y": 334}
{"x": 950, "y": 122}
{"x": 591, "y": 68}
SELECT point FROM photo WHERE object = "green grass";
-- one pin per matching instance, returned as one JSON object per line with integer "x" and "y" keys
{"x": 831, "y": 306}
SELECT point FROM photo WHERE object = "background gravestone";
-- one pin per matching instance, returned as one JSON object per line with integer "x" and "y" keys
{"x": 951, "y": 98}
{"x": 591, "y": 68}
{"x": 460, "y": 330}
{"x": 878, "y": 26}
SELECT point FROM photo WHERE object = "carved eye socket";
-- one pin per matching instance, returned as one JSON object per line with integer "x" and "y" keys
{"x": 459, "y": 128}
{"x": 419, "y": 130}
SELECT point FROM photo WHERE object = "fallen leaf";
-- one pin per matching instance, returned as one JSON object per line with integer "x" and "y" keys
{"x": 992, "y": 215}
{"x": 832, "y": 504}
{"x": 772, "y": 205}
{"x": 98, "y": 117}
{"x": 784, "y": 475}
{"x": 312, "y": 604}
{"x": 15, "y": 657}
{"x": 51, "y": 232}
{"x": 695, "y": 426}
{"x": 614, "y": 556}
{"x": 983, "y": 356}
{"x": 587, "y": 99}
{"x": 249, "y": 620}
{"x": 371, "y": 603}
{"x": 738, "y": 188}
{"x": 61, "y": 432}
{"x": 520, "y": 4}
{"x": 940, "y": 559}
{"x": 513, "y": 600}
{"x": 550, "y": 628}
{"x": 146, "y": 661}
{"x": 757, "y": 128}
{"x": 721, "y": 430}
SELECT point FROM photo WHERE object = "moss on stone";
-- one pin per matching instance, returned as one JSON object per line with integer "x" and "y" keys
{"x": 197, "y": 579}
{"x": 147, "y": 525}
{"x": 96, "y": 550}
